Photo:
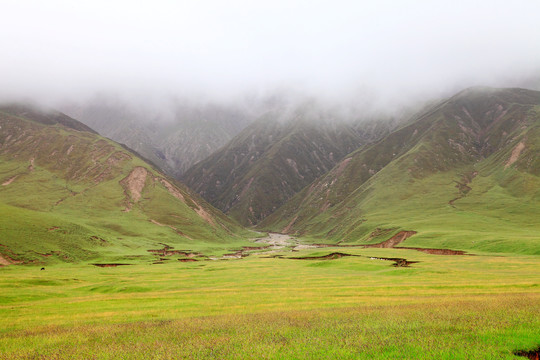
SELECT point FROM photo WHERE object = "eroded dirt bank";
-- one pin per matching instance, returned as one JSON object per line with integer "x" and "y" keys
{"x": 274, "y": 244}
{"x": 530, "y": 354}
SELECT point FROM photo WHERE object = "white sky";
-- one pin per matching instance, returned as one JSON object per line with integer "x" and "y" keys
{"x": 52, "y": 48}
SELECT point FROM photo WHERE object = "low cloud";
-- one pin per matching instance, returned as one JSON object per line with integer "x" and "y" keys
{"x": 386, "y": 51}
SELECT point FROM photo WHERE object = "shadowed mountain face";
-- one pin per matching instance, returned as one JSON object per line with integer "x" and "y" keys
{"x": 471, "y": 163}
{"x": 70, "y": 194}
{"x": 273, "y": 159}
{"x": 174, "y": 138}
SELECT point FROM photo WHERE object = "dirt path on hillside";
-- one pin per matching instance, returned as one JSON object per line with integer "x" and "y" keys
{"x": 9, "y": 181}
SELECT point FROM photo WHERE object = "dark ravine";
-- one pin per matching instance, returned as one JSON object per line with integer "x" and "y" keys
{"x": 110, "y": 265}
{"x": 463, "y": 187}
{"x": 530, "y": 354}
{"x": 398, "y": 262}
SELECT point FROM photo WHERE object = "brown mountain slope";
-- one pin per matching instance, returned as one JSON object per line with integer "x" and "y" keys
{"x": 273, "y": 159}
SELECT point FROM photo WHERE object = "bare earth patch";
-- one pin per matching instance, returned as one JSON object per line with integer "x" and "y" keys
{"x": 394, "y": 240}
{"x": 288, "y": 227}
{"x": 515, "y": 154}
{"x": 4, "y": 262}
{"x": 135, "y": 181}
{"x": 206, "y": 216}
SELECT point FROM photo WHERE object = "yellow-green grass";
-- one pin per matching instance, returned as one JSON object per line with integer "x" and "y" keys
{"x": 39, "y": 215}
{"x": 448, "y": 307}
{"x": 489, "y": 218}
{"x": 70, "y": 196}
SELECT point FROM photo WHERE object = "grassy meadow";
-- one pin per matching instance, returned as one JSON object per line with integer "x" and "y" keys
{"x": 82, "y": 206}
{"x": 444, "y": 307}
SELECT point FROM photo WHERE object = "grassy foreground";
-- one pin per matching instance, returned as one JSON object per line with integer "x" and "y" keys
{"x": 444, "y": 307}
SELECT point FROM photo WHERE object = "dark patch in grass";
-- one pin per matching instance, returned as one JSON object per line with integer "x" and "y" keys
{"x": 250, "y": 248}
{"x": 331, "y": 256}
{"x": 97, "y": 240}
{"x": 531, "y": 354}
{"x": 398, "y": 262}
{"x": 168, "y": 251}
{"x": 110, "y": 265}
{"x": 238, "y": 254}
{"x": 436, "y": 251}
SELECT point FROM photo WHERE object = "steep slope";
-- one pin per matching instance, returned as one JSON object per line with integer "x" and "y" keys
{"x": 69, "y": 194}
{"x": 464, "y": 174}
{"x": 273, "y": 159}
{"x": 173, "y": 137}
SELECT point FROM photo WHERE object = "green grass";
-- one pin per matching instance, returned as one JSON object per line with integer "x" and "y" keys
{"x": 449, "y": 307}
{"x": 444, "y": 307}
{"x": 430, "y": 176}
{"x": 69, "y": 207}
{"x": 491, "y": 218}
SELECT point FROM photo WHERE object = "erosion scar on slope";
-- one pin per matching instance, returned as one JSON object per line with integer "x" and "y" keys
{"x": 515, "y": 154}
{"x": 394, "y": 240}
{"x": 404, "y": 235}
{"x": 172, "y": 190}
{"x": 135, "y": 181}
{"x": 4, "y": 261}
{"x": 9, "y": 181}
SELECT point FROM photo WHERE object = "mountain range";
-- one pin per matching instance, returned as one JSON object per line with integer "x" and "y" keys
{"x": 462, "y": 173}
{"x": 274, "y": 158}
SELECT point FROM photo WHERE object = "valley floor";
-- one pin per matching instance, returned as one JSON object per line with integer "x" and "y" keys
{"x": 274, "y": 304}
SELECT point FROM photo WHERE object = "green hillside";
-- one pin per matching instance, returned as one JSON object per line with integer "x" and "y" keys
{"x": 465, "y": 175}
{"x": 67, "y": 194}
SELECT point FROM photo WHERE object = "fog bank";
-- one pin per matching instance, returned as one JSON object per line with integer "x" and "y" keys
{"x": 382, "y": 52}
